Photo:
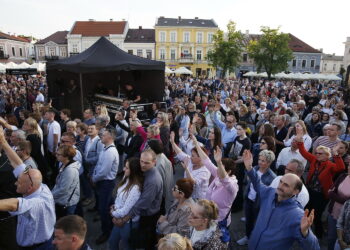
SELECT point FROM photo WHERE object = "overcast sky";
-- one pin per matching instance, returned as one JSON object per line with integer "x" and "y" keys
{"x": 320, "y": 23}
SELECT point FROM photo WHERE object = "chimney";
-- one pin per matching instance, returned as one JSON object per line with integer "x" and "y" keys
{"x": 111, "y": 19}
{"x": 140, "y": 27}
{"x": 196, "y": 18}
{"x": 179, "y": 18}
{"x": 321, "y": 49}
{"x": 247, "y": 32}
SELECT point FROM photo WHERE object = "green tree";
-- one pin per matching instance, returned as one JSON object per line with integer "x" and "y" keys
{"x": 227, "y": 49}
{"x": 271, "y": 52}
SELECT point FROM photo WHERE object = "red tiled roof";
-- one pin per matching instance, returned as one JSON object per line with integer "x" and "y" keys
{"x": 58, "y": 37}
{"x": 96, "y": 28}
{"x": 15, "y": 38}
{"x": 295, "y": 44}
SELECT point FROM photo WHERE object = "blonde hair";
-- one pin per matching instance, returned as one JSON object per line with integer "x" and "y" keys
{"x": 327, "y": 150}
{"x": 210, "y": 210}
{"x": 174, "y": 241}
{"x": 71, "y": 124}
{"x": 103, "y": 110}
{"x": 165, "y": 119}
{"x": 302, "y": 124}
{"x": 33, "y": 125}
{"x": 154, "y": 129}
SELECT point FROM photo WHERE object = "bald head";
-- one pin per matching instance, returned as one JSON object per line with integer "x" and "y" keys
{"x": 289, "y": 186}
{"x": 28, "y": 182}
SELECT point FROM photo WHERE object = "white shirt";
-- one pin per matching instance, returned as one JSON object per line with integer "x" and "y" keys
{"x": 40, "y": 98}
{"x": 302, "y": 197}
{"x": 201, "y": 177}
{"x": 252, "y": 192}
{"x": 54, "y": 129}
{"x": 306, "y": 138}
{"x": 126, "y": 200}
{"x": 287, "y": 154}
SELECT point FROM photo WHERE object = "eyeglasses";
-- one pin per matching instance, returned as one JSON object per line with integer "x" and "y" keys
{"x": 263, "y": 143}
{"x": 26, "y": 171}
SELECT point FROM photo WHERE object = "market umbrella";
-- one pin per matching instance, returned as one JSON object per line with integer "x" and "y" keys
{"x": 183, "y": 71}
{"x": 168, "y": 71}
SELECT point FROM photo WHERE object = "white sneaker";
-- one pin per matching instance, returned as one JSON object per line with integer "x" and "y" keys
{"x": 243, "y": 241}
{"x": 243, "y": 219}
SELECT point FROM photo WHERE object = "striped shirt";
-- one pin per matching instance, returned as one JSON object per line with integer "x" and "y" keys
{"x": 36, "y": 215}
{"x": 324, "y": 141}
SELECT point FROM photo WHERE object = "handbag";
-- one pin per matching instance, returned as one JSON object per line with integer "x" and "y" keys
{"x": 225, "y": 232}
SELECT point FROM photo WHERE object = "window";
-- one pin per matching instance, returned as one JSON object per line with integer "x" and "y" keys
{"x": 41, "y": 52}
{"x": 130, "y": 52}
{"x": 303, "y": 63}
{"x": 63, "y": 52}
{"x": 294, "y": 63}
{"x": 334, "y": 67}
{"x": 20, "y": 52}
{"x": 245, "y": 57}
{"x": 199, "y": 55}
{"x": 187, "y": 37}
{"x": 210, "y": 37}
{"x": 325, "y": 67}
{"x": 199, "y": 37}
{"x": 13, "y": 51}
{"x": 312, "y": 63}
{"x": 52, "y": 51}
{"x": 149, "y": 54}
{"x": 75, "y": 48}
{"x": 139, "y": 52}
{"x": 162, "y": 36}
{"x": 162, "y": 54}
{"x": 173, "y": 54}
{"x": 173, "y": 37}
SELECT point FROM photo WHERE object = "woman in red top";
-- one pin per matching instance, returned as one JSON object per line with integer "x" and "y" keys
{"x": 320, "y": 178}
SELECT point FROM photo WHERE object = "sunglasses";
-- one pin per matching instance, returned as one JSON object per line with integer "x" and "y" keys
{"x": 26, "y": 171}
{"x": 176, "y": 189}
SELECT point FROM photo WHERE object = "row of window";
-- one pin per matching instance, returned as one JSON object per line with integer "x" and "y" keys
{"x": 52, "y": 52}
{"x": 13, "y": 50}
{"x": 185, "y": 54}
{"x": 334, "y": 67}
{"x": 303, "y": 63}
{"x": 139, "y": 52}
{"x": 186, "y": 37}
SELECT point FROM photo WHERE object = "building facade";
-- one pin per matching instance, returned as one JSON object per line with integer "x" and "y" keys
{"x": 185, "y": 43}
{"x": 331, "y": 64}
{"x": 346, "y": 59}
{"x": 14, "y": 48}
{"x": 83, "y": 34}
{"x": 140, "y": 42}
{"x": 306, "y": 58}
{"x": 52, "y": 47}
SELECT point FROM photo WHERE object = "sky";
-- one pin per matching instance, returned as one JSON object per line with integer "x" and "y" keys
{"x": 320, "y": 23}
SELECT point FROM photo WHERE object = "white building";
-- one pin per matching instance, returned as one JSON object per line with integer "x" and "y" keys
{"x": 140, "y": 42}
{"x": 52, "y": 47}
{"x": 346, "y": 59}
{"x": 85, "y": 33}
{"x": 14, "y": 48}
{"x": 331, "y": 64}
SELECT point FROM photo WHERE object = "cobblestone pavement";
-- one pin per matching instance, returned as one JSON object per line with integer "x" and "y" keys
{"x": 237, "y": 228}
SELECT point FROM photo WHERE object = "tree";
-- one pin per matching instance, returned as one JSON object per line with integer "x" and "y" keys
{"x": 227, "y": 50}
{"x": 271, "y": 52}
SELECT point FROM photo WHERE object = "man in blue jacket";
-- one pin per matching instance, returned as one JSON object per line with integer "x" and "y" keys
{"x": 281, "y": 219}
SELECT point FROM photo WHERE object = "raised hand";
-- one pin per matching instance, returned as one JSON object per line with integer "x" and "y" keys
{"x": 185, "y": 163}
{"x": 248, "y": 159}
{"x": 217, "y": 154}
{"x": 306, "y": 222}
{"x": 194, "y": 139}
{"x": 172, "y": 137}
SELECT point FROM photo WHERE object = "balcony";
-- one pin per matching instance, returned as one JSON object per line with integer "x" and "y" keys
{"x": 51, "y": 58}
{"x": 73, "y": 53}
{"x": 186, "y": 58}
{"x": 4, "y": 56}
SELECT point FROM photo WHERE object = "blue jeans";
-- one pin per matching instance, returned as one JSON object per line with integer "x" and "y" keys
{"x": 332, "y": 232}
{"x": 104, "y": 195}
{"x": 71, "y": 209}
{"x": 120, "y": 235}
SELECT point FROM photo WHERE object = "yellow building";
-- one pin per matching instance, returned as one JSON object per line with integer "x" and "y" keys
{"x": 185, "y": 43}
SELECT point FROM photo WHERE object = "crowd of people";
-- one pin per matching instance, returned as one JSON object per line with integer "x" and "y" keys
{"x": 278, "y": 150}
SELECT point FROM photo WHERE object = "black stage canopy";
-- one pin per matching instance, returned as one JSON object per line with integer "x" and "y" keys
{"x": 102, "y": 63}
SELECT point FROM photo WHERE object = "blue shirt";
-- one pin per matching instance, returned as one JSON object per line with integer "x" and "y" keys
{"x": 36, "y": 215}
{"x": 227, "y": 134}
{"x": 107, "y": 164}
{"x": 278, "y": 223}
